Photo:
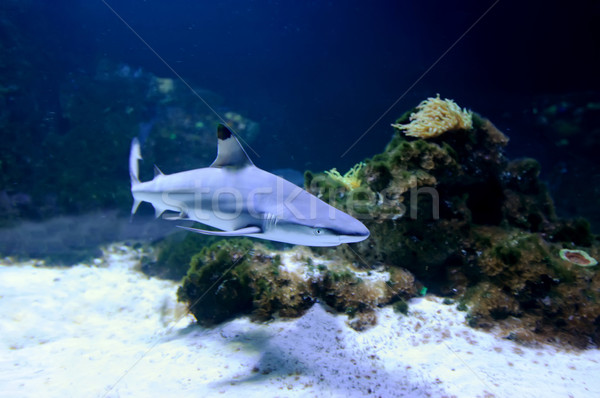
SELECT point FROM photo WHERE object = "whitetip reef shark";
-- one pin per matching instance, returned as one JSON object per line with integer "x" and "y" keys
{"x": 239, "y": 199}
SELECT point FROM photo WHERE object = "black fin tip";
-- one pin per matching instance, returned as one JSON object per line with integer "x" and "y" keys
{"x": 223, "y": 132}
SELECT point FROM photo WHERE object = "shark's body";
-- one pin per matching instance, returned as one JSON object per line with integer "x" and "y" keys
{"x": 240, "y": 199}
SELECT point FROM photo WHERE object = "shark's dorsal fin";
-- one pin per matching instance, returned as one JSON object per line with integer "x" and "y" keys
{"x": 230, "y": 152}
{"x": 157, "y": 171}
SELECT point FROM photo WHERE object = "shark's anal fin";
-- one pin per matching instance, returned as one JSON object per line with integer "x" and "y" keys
{"x": 237, "y": 232}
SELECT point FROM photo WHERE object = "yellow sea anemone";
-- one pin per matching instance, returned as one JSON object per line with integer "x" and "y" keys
{"x": 350, "y": 179}
{"x": 435, "y": 116}
{"x": 578, "y": 257}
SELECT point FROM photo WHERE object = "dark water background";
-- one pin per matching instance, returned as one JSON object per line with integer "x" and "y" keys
{"x": 317, "y": 74}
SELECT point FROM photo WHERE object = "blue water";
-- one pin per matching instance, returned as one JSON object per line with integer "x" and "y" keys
{"x": 323, "y": 79}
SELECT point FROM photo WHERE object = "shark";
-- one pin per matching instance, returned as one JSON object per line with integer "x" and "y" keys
{"x": 236, "y": 198}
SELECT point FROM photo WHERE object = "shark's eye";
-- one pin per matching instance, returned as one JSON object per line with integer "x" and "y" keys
{"x": 318, "y": 231}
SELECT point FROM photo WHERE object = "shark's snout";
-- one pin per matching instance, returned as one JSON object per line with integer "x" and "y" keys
{"x": 359, "y": 233}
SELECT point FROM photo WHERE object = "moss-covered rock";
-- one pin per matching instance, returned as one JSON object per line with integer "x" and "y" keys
{"x": 217, "y": 285}
{"x": 419, "y": 198}
{"x": 522, "y": 275}
{"x": 469, "y": 223}
{"x": 233, "y": 277}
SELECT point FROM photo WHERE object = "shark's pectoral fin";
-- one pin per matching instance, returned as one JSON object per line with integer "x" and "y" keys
{"x": 237, "y": 232}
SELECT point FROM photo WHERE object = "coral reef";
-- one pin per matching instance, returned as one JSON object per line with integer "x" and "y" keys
{"x": 475, "y": 226}
{"x": 434, "y": 117}
{"x": 238, "y": 276}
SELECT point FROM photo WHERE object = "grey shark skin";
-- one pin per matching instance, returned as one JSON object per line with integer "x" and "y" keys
{"x": 240, "y": 199}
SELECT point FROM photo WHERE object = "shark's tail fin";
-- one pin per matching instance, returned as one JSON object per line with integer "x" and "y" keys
{"x": 134, "y": 171}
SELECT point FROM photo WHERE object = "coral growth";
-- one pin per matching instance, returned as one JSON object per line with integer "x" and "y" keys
{"x": 434, "y": 117}
{"x": 578, "y": 257}
{"x": 351, "y": 179}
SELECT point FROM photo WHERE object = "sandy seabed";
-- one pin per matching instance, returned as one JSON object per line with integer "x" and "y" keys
{"x": 107, "y": 330}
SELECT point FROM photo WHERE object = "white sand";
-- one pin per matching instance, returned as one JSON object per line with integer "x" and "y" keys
{"x": 108, "y": 330}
